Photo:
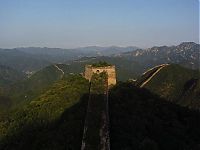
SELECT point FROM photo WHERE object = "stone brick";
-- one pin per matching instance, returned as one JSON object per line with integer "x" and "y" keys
{"x": 89, "y": 70}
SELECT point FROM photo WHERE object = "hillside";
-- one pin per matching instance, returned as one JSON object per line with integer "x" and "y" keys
{"x": 32, "y": 59}
{"x": 138, "y": 120}
{"x": 185, "y": 54}
{"x": 131, "y": 64}
{"x": 175, "y": 83}
{"x": 5, "y": 104}
{"x": 142, "y": 121}
{"x": 9, "y": 76}
{"x": 26, "y": 90}
{"x": 54, "y": 120}
{"x": 21, "y": 61}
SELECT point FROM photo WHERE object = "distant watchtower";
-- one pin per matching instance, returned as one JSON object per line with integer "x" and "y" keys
{"x": 101, "y": 67}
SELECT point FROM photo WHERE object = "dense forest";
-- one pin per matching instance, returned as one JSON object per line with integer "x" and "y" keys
{"x": 44, "y": 105}
{"x": 138, "y": 120}
{"x": 141, "y": 120}
{"x": 54, "y": 120}
{"x": 176, "y": 84}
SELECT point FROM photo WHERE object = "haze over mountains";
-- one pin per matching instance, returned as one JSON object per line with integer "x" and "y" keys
{"x": 33, "y": 59}
{"x": 36, "y": 57}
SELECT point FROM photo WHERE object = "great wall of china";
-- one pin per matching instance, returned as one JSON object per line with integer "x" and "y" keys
{"x": 96, "y": 128}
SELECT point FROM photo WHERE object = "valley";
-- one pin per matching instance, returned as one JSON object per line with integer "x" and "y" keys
{"x": 99, "y": 75}
{"x": 154, "y": 104}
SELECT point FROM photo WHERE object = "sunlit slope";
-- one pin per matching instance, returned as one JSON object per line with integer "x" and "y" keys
{"x": 175, "y": 83}
{"x": 54, "y": 120}
{"x": 139, "y": 119}
{"x": 30, "y": 88}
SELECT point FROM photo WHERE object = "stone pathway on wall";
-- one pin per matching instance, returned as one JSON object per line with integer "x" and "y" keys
{"x": 96, "y": 128}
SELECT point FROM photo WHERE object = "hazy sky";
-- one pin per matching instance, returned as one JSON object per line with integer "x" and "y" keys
{"x": 75, "y": 23}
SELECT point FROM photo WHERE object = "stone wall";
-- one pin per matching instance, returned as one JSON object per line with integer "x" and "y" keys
{"x": 89, "y": 70}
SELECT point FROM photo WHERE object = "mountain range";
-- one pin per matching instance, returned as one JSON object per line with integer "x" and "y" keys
{"x": 154, "y": 105}
{"x": 34, "y": 58}
{"x": 185, "y": 54}
{"x": 139, "y": 118}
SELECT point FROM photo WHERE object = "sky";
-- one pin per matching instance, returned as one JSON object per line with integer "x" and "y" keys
{"x": 79, "y": 23}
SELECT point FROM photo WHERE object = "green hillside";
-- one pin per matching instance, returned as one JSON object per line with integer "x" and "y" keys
{"x": 9, "y": 76}
{"x": 5, "y": 103}
{"x": 177, "y": 84}
{"x": 38, "y": 83}
{"x": 49, "y": 110}
{"x": 138, "y": 120}
{"x": 54, "y": 120}
{"x": 22, "y": 61}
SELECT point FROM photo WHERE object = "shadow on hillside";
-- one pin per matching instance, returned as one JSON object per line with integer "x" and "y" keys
{"x": 62, "y": 134}
{"x": 141, "y": 120}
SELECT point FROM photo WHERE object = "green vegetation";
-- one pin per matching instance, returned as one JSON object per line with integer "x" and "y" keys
{"x": 9, "y": 76}
{"x": 54, "y": 120}
{"x": 142, "y": 121}
{"x": 176, "y": 84}
{"x": 101, "y": 64}
{"x": 51, "y": 110}
{"x": 28, "y": 89}
{"x": 98, "y": 83}
{"x": 5, "y": 103}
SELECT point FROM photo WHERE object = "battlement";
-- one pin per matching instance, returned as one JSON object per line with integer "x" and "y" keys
{"x": 110, "y": 70}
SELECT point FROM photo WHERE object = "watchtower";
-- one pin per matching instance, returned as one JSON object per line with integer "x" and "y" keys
{"x": 109, "y": 69}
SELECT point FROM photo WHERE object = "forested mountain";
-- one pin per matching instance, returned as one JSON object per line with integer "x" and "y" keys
{"x": 174, "y": 83}
{"x": 21, "y": 61}
{"x": 53, "y": 120}
{"x": 185, "y": 54}
{"x": 29, "y": 88}
{"x": 35, "y": 58}
{"x": 131, "y": 64}
{"x": 9, "y": 76}
{"x": 46, "y": 108}
{"x": 138, "y": 120}
{"x": 32, "y": 59}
